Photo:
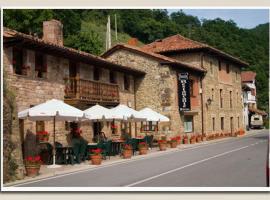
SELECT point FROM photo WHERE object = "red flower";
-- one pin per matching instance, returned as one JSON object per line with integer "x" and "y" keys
{"x": 96, "y": 151}
{"x": 29, "y": 158}
{"x": 37, "y": 158}
{"x": 161, "y": 141}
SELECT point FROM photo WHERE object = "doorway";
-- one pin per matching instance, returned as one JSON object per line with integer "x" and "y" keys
{"x": 96, "y": 130}
{"x": 231, "y": 125}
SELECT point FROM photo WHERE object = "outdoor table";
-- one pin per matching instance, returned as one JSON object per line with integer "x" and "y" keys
{"x": 116, "y": 147}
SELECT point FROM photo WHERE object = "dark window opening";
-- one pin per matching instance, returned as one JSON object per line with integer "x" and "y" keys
{"x": 72, "y": 69}
{"x": 149, "y": 126}
{"x": 40, "y": 66}
{"x": 18, "y": 61}
{"x": 221, "y": 99}
{"x": 112, "y": 77}
{"x": 227, "y": 68}
{"x": 126, "y": 82}
{"x": 213, "y": 124}
{"x": 96, "y": 74}
{"x": 219, "y": 65}
{"x": 230, "y": 99}
{"x": 222, "y": 123}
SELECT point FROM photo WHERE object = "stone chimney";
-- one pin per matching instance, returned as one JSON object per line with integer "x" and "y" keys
{"x": 53, "y": 32}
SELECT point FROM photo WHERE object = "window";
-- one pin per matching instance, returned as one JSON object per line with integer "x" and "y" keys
{"x": 149, "y": 126}
{"x": 188, "y": 124}
{"x": 236, "y": 75}
{"x": 230, "y": 99}
{"x": 40, "y": 66}
{"x": 222, "y": 123}
{"x": 96, "y": 74}
{"x": 213, "y": 124}
{"x": 17, "y": 61}
{"x": 219, "y": 65}
{"x": 191, "y": 84}
{"x": 40, "y": 126}
{"x": 126, "y": 82}
{"x": 220, "y": 98}
{"x": 227, "y": 68}
{"x": 112, "y": 77}
{"x": 211, "y": 67}
{"x": 213, "y": 94}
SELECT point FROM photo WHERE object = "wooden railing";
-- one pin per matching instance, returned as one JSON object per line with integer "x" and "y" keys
{"x": 92, "y": 91}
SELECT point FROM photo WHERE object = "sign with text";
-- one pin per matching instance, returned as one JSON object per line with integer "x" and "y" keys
{"x": 183, "y": 92}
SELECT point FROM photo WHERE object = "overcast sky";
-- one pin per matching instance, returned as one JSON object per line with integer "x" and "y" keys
{"x": 244, "y": 18}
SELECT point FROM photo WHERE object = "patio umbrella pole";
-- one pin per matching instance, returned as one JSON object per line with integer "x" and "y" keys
{"x": 54, "y": 151}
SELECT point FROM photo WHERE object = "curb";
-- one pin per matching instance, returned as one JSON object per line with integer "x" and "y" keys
{"x": 132, "y": 159}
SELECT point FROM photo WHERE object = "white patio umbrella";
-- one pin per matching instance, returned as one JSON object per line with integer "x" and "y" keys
{"x": 152, "y": 115}
{"x": 126, "y": 114}
{"x": 100, "y": 113}
{"x": 55, "y": 110}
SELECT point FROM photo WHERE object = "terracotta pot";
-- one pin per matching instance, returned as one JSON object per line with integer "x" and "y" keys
{"x": 143, "y": 150}
{"x": 32, "y": 170}
{"x": 96, "y": 159}
{"x": 178, "y": 141}
{"x": 127, "y": 153}
{"x": 162, "y": 146}
{"x": 185, "y": 141}
{"x": 192, "y": 141}
{"x": 198, "y": 139}
{"x": 173, "y": 144}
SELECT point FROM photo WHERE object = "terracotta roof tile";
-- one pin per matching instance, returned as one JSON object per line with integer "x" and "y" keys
{"x": 247, "y": 76}
{"x": 181, "y": 43}
{"x": 10, "y": 34}
{"x": 162, "y": 58}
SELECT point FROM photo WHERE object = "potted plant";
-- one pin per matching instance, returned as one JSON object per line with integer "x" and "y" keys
{"x": 204, "y": 137}
{"x": 162, "y": 145}
{"x": 43, "y": 136}
{"x": 185, "y": 139}
{"x": 173, "y": 142}
{"x": 192, "y": 139}
{"x": 127, "y": 151}
{"x": 32, "y": 165}
{"x": 142, "y": 148}
{"x": 96, "y": 156}
{"x": 178, "y": 138}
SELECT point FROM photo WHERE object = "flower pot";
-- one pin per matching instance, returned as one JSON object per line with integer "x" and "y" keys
{"x": 198, "y": 139}
{"x": 143, "y": 150}
{"x": 96, "y": 159}
{"x": 127, "y": 153}
{"x": 173, "y": 144}
{"x": 185, "y": 141}
{"x": 192, "y": 141}
{"x": 32, "y": 170}
{"x": 162, "y": 146}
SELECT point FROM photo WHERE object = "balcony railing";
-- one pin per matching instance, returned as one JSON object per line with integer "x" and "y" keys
{"x": 92, "y": 91}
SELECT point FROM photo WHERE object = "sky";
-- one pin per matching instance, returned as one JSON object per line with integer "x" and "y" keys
{"x": 244, "y": 18}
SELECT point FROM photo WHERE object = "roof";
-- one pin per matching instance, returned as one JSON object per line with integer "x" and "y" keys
{"x": 162, "y": 59}
{"x": 255, "y": 110}
{"x": 248, "y": 76}
{"x": 15, "y": 38}
{"x": 180, "y": 43}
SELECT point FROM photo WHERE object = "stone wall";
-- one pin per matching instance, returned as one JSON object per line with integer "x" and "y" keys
{"x": 156, "y": 90}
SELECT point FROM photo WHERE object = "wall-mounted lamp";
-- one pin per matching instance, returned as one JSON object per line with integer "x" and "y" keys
{"x": 209, "y": 101}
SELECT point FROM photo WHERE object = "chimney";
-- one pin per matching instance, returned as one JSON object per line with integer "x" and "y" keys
{"x": 133, "y": 42}
{"x": 53, "y": 32}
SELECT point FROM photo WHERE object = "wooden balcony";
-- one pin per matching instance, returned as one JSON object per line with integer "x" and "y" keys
{"x": 90, "y": 92}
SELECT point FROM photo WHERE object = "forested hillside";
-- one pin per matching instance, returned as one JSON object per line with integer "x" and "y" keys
{"x": 85, "y": 30}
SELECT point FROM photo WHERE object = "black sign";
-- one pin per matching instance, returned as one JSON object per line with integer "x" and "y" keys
{"x": 183, "y": 92}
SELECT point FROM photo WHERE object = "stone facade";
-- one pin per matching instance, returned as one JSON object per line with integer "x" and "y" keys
{"x": 215, "y": 80}
{"x": 31, "y": 90}
{"x": 158, "y": 90}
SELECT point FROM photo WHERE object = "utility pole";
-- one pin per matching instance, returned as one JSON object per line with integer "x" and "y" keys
{"x": 115, "y": 27}
{"x": 108, "y": 34}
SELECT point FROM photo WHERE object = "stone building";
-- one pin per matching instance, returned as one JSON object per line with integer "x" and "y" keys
{"x": 158, "y": 89}
{"x": 221, "y": 85}
{"x": 42, "y": 69}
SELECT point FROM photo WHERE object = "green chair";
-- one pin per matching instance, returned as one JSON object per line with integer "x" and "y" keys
{"x": 106, "y": 149}
{"x": 134, "y": 143}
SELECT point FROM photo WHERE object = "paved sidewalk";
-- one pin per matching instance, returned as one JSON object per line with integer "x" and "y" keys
{"x": 66, "y": 169}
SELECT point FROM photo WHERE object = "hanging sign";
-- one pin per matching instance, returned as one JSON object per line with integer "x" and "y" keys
{"x": 183, "y": 92}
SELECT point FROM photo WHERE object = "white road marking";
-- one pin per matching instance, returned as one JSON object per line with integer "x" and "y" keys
{"x": 133, "y": 160}
{"x": 189, "y": 165}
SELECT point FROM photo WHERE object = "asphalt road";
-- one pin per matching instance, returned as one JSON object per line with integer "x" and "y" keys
{"x": 237, "y": 162}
